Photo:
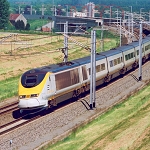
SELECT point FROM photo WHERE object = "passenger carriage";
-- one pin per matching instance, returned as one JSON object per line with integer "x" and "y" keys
{"x": 53, "y": 84}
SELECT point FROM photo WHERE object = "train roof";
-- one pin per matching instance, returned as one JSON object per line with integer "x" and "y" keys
{"x": 146, "y": 39}
{"x": 58, "y": 67}
{"x": 134, "y": 44}
{"x": 110, "y": 53}
{"x": 125, "y": 48}
{"x": 63, "y": 66}
{"x": 87, "y": 59}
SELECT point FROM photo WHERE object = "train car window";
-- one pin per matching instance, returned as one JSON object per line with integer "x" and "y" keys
{"x": 126, "y": 57}
{"x": 132, "y": 55}
{"x": 146, "y": 48}
{"x": 118, "y": 59}
{"x": 84, "y": 73}
{"x": 137, "y": 52}
{"x": 111, "y": 63}
{"x": 74, "y": 74}
{"x": 129, "y": 56}
{"x": 102, "y": 67}
{"x": 66, "y": 79}
{"x": 63, "y": 80}
{"x": 115, "y": 62}
{"x": 98, "y": 69}
{"x": 142, "y": 50}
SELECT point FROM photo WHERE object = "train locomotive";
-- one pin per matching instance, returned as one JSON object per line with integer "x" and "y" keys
{"x": 50, "y": 85}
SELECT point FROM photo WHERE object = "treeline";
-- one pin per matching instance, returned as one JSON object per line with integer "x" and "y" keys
{"x": 48, "y": 5}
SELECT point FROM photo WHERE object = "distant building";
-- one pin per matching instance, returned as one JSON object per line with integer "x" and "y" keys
{"x": 13, "y": 18}
{"x": 90, "y": 10}
{"x": 48, "y": 27}
{"x": 45, "y": 29}
{"x": 78, "y": 14}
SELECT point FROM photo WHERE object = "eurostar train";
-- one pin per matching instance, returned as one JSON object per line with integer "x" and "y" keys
{"x": 49, "y": 85}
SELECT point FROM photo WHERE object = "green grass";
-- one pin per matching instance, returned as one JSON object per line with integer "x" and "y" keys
{"x": 34, "y": 24}
{"x": 9, "y": 88}
{"x": 112, "y": 126}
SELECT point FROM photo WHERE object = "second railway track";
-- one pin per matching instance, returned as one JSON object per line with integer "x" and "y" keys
{"x": 10, "y": 117}
{"x": 102, "y": 101}
{"x": 9, "y": 107}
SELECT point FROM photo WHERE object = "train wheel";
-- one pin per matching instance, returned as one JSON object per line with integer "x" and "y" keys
{"x": 144, "y": 60}
{"x": 134, "y": 66}
{"x": 76, "y": 94}
{"x": 122, "y": 71}
{"x": 107, "y": 78}
{"x": 84, "y": 90}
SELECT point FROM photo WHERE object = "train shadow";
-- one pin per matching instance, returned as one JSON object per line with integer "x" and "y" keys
{"x": 29, "y": 114}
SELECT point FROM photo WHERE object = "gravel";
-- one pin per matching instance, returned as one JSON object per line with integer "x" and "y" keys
{"x": 59, "y": 124}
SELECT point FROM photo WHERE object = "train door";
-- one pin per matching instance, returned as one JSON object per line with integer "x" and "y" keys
{"x": 51, "y": 87}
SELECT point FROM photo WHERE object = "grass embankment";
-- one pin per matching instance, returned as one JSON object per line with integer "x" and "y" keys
{"x": 125, "y": 127}
{"x": 8, "y": 88}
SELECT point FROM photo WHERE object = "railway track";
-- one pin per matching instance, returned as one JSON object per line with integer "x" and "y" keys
{"x": 18, "y": 120}
{"x": 7, "y": 108}
{"x": 69, "y": 113}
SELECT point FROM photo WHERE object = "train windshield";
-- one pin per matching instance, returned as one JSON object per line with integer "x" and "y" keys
{"x": 31, "y": 81}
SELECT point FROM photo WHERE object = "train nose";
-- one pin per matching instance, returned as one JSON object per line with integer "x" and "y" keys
{"x": 28, "y": 103}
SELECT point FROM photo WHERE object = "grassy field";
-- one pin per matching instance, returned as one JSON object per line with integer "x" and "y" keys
{"x": 8, "y": 88}
{"x": 125, "y": 127}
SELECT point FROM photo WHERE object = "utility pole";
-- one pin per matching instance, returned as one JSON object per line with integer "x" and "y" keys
{"x": 141, "y": 14}
{"x": 132, "y": 22}
{"x": 31, "y": 10}
{"x": 93, "y": 70}
{"x": 140, "y": 52}
{"x": 149, "y": 16}
{"x": 102, "y": 34}
{"x": 42, "y": 10}
{"x": 67, "y": 11}
{"x": 120, "y": 33}
{"x": 129, "y": 27}
{"x": 19, "y": 9}
{"x": 66, "y": 41}
{"x": 110, "y": 15}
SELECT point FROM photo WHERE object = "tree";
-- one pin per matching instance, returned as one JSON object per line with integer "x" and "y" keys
{"x": 27, "y": 26}
{"x": 4, "y": 13}
{"x": 19, "y": 25}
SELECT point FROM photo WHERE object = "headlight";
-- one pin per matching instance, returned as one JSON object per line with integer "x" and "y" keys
{"x": 22, "y": 96}
{"x": 34, "y": 95}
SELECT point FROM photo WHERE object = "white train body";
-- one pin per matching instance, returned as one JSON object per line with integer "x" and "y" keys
{"x": 50, "y": 85}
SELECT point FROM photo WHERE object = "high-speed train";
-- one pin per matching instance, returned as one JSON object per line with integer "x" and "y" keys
{"x": 52, "y": 84}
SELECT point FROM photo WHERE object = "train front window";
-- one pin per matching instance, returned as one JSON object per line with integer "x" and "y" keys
{"x": 32, "y": 78}
{"x": 31, "y": 81}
